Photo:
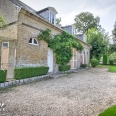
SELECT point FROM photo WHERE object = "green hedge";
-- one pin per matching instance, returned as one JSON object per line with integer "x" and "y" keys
{"x": 3, "y": 75}
{"x": 83, "y": 65}
{"x": 27, "y": 72}
{"x": 64, "y": 67}
{"x": 105, "y": 59}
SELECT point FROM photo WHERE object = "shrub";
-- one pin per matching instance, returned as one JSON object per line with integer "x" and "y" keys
{"x": 64, "y": 67}
{"x": 94, "y": 62}
{"x": 83, "y": 65}
{"x": 113, "y": 57}
{"x": 105, "y": 58}
{"x": 111, "y": 62}
{"x": 27, "y": 72}
{"x": 3, "y": 75}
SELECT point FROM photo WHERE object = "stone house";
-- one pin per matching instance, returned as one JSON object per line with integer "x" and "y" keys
{"x": 19, "y": 44}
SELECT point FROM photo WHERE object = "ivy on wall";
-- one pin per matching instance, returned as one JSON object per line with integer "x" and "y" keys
{"x": 61, "y": 44}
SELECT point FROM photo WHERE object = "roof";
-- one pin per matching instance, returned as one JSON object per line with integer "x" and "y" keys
{"x": 48, "y": 8}
{"x": 69, "y": 26}
{"x": 23, "y": 5}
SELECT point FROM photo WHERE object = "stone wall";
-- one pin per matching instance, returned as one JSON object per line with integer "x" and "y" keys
{"x": 27, "y": 54}
{"x": 9, "y": 32}
{"x": 37, "y": 22}
{"x": 9, "y": 11}
{"x": 32, "y": 55}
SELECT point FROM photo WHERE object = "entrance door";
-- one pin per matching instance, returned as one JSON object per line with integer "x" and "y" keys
{"x": 73, "y": 61}
{"x": 4, "y": 55}
{"x": 50, "y": 60}
{"x": 82, "y": 59}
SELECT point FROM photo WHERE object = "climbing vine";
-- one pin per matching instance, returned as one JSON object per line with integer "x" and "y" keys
{"x": 61, "y": 44}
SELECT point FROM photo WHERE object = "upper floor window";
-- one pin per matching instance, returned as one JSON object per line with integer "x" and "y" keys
{"x": 33, "y": 41}
{"x": 52, "y": 18}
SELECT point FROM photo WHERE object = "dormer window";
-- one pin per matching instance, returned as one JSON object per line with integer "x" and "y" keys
{"x": 33, "y": 41}
{"x": 49, "y": 14}
{"x": 51, "y": 20}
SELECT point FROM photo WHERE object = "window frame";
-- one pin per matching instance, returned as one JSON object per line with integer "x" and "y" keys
{"x": 33, "y": 41}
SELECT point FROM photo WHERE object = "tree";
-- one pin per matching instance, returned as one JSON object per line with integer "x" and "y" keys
{"x": 113, "y": 45}
{"x": 85, "y": 21}
{"x": 3, "y": 23}
{"x": 58, "y": 21}
{"x": 96, "y": 39}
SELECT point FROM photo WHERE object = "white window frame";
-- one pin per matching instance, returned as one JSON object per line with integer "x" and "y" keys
{"x": 33, "y": 41}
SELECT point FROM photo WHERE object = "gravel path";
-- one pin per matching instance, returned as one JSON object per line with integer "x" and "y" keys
{"x": 85, "y": 93}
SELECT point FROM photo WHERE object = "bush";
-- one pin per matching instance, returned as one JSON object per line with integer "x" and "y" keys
{"x": 3, "y": 75}
{"x": 94, "y": 62}
{"x": 83, "y": 65}
{"x": 105, "y": 58}
{"x": 113, "y": 57}
{"x": 111, "y": 62}
{"x": 27, "y": 72}
{"x": 64, "y": 67}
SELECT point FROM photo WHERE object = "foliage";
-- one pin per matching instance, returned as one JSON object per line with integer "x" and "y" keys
{"x": 85, "y": 21}
{"x": 105, "y": 59}
{"x": 111, "y": 62}
{"x": 3, "y": 23}
{"x": 46, "y": 36}
{"x": 83, "y": 65}
{"x": 114, "y": 32}
{"x": 64, "y": 67}
{"x": 98, "y": 57}
{"x": 62, "y": 45}
{"x": 109, "y": 112}
{"x": 112, "y": 46}
{"x": 27, "y": 72}
{"x": 58, "y": 21}
{"x": 3, "y": 75}
{"x": 94, "y": 62}
{"x": 96, "y": 39}
{"x": 113, "y": 57}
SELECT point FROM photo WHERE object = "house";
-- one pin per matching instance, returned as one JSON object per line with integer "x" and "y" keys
{"x": 83, "y": 56}
{"x": 70, "y": 29}
{"x": 19, "y": 44}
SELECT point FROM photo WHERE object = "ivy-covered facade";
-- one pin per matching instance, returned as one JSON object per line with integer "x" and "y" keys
{"x": 24, "y": 45}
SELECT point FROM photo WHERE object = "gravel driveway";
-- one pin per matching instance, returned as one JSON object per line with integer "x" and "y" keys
{"x": 85, "y": 93}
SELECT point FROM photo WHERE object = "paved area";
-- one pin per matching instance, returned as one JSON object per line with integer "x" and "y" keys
{"x": 85, "y": 93}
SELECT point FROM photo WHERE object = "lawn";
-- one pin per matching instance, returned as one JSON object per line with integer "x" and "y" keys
{"x": 111, "y": 68}
{"x": 109, "y": 112}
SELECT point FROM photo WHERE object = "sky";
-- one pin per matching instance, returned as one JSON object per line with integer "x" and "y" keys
{"x": 68, "y": 9}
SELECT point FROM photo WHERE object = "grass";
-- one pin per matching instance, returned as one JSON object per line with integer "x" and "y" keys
{"x": 112, "y": 68}
{"x": 109, "y": 112}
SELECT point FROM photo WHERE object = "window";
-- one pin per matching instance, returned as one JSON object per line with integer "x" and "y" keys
{"x": 51, "y": 18}
{"x": 33, "y": 41}
{"x": 5, "y": 44}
